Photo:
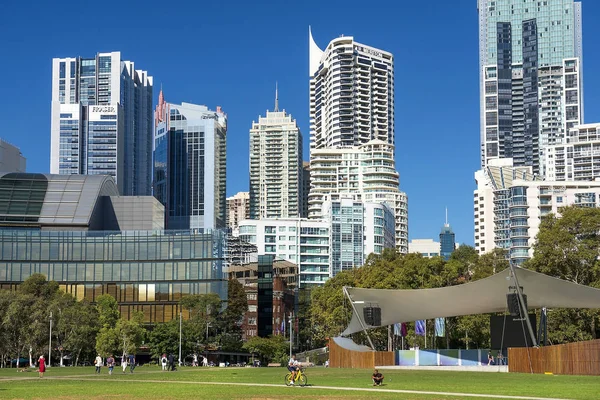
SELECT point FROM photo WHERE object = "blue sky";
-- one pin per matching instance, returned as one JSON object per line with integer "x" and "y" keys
{"x": 230, "y": 53}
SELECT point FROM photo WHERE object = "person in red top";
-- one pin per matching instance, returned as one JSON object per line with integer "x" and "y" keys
{"x": 42, "y": 366}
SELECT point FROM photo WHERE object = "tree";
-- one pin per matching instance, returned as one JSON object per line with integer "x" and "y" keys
{"x": 131, "y": 333}
{"x": 567, "y": 248}
{"x": 164, "y": 338}
{"x": 78, "y": 327}
{"x": 237, "y": 305}
{"x": 273, "y": 348}
{"x": 37, "y": 285}
{"x": 108, "y": 310}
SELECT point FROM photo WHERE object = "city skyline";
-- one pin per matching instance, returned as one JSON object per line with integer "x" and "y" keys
{"x": 426, "y": 154}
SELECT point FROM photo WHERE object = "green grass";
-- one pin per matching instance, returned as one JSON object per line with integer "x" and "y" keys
{"x": 150, "y": 383}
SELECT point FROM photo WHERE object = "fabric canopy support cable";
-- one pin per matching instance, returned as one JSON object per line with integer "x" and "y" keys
{"x": 480, "y": 297}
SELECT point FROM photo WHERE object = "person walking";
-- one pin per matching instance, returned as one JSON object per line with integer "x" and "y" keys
{"x": 124, "y": 362}
{"x": 42, "y": 366}
{"x": 98, "y": 363}
{"x": 163, "y": 361}
{"x": 110, "y": 363}
{"x": 171, "y": 362}
{"x": 131, "y": 363}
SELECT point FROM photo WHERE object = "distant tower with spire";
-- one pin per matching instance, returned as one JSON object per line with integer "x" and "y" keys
{"x": 447, "y": 240}
{"x": 276, "y": 174}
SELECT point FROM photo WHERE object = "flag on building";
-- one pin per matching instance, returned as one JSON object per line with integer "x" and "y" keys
{"x": 420, "y": 327}
{"x": 440, "y": 327}
{"x": 403, "y": 329}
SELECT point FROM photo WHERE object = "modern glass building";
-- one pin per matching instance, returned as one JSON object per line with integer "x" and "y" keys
{"x": 530, "y": 55}
{"x": 147, "y": 271}
{"x": 76, "y": 230}
{"x": 102, "y": 120}
{"x": 189, "y": 165}
{"x": 447, "y": 242}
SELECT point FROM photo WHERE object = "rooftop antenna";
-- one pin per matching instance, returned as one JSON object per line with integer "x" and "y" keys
{"x": 276, "y": 98}
{"x": 446, "y": 216}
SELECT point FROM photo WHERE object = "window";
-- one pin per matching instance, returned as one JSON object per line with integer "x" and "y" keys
{"x": 252, "y": 308}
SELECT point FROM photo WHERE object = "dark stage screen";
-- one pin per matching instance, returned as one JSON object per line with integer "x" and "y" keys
{"x": 515, "y": 331}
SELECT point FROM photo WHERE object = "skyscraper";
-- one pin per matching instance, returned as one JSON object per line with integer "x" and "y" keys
{"x": 352, "y": 129}
{"x": 447, "y": 240}
{"x": 276, "y": 166}
{"x": 530, "y": 77}
{"x": 189, "y": 165}
{"x": 351, "y": 94}
{"x": 102, "y": 120}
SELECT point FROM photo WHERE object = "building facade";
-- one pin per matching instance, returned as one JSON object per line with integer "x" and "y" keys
{"x": 190, "y": 165}
{"x": 238, "y": 209}
{"x": 530, "y": 78}
{"x": 357, "y": 229}
{"x": 351, "y": 94}
{"x": 77, "y": 231}
{"x": 366, "y": 173}
{"x": 578, "y": 159}
{"x": 276, "y": 167}
{"x": 349, "y": 231}
{"x": 426, "y": 247}
{"x": 447, "y": 242}
{"x": 102, "y": 120}
{"x": 519, "y": 204}
{"x": 305, "y": 187}
{"x": 11, "y": 158}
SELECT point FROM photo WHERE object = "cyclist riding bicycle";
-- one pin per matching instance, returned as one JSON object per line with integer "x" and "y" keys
{"x": 293, "y": 367}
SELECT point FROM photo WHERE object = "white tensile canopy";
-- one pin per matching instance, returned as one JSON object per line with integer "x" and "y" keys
{"x": 480, "y": 297}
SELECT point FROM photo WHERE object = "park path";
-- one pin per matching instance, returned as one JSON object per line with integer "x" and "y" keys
{"x": 350, "y": 389}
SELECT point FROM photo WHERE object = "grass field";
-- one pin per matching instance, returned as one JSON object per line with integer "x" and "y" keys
{"x": 267, "y": 383}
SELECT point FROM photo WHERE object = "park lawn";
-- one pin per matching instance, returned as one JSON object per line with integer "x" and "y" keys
{"x": 568, "y": 387}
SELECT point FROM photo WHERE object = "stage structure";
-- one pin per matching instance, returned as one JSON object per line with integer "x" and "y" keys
{"x": 514, "y": 289}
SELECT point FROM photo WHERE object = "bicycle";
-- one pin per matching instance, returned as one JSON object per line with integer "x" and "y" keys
{"x": 300, "y": 378}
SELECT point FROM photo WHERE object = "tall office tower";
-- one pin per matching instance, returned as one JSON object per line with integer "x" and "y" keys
{"x": 238, "y": 209}
{"x": 530, "y": 55}
{"x": 189, "y": 165}
{"x": 364, "y": 173}
{"x": 102, "y": 120}
{"x": 447, "y": 240}
{"x": 351, "y": 94}
{"x": 11, "y": 158}
{"x": 275, "y": 166}
{"x": 352, "y": 118}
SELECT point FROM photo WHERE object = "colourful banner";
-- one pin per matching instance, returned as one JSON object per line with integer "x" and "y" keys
{"x": 420, "y": 327}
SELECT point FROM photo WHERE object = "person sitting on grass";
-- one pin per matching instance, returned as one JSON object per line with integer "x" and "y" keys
{"x": 377, "y": 378}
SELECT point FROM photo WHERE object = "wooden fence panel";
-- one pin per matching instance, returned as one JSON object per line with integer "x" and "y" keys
{"x": 344, "y": 358}
{"x": 581, "y": 358}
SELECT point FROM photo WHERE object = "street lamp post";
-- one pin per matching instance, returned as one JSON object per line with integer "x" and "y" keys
{"x": 180, "y": 338}
{"x": 50, "y": 342}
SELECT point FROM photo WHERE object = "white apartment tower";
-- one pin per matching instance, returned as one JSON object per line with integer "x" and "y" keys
{"x": 530, "y": 55}
{"x": 364, "y": 173}
{"x": 276, "y": 166}
{"x": 352, "y": 129}
{"x": 351, "y": 94}
{"x": 102, "y": 120}
{"x": 11, "y": 158}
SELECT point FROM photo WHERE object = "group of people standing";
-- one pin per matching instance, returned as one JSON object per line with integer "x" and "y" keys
{"x": 168, "y": 362}
{"x": 126, "y": 360}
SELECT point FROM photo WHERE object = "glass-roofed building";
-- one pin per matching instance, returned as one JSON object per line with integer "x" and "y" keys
{"x": 78, "y": 231}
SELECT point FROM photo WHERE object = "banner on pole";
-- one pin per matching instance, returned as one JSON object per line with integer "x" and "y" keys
{"x": 420, "y": 327}
{"x": 440, "y": 327}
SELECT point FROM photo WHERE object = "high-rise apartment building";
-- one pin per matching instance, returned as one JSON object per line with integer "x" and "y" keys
{"x": 510, "y": 205}
{"x": 11, "y": 158}
{"x": 364, "y": 173}
{"x": 578, "y": 159}
{"x": 352, "y": 129}
{"x": 189, "y": 165}
{"x": 276, "y": 166}
{"x": 238, "y": 209}
{"x": 102, "y": 120}
{"x": 305, "y": 187}
{"x": 530, "y": 78}
{"x": 351, "y": 94}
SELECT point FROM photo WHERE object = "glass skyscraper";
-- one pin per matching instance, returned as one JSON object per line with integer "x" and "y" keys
{"x": 531, "y": 79}
{"x": 190, "y": 166}
{"x": 102, "y": 120}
